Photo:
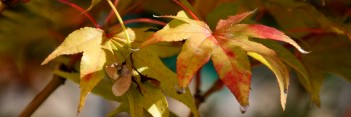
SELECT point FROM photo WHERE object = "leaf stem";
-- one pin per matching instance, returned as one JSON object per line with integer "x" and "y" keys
{"x": 82, "y": 11}
{"x": 133, "y": 6}
{"x": 145, "y": 20}
{"x": 198, "y": 82}
{"x": 109, "y": 16}
{"x": 218, "y": 85}
{"x": 120, "y": 21}
{"x": 187, "y": 10}
{"x": 199, "y": 99}
{"x": 138, "y": 20}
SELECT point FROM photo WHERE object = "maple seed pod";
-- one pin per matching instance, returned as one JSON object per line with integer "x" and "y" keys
{"x": 113, "y": 71}
{"x": 122, "y": 84}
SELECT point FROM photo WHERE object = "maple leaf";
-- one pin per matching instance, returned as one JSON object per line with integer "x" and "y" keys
{"x": 228, "y": 47}
{"x": 90, "y": 42}
{"x": 310, "y": 19}
{"x": 335, "y": 51}
{"x": 133, "y": 102}
{"x": 116, "y": 51}
{"x": 148, "y": 63}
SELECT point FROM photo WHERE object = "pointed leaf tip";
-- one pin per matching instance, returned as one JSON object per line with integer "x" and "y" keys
{"x": 266, "y": 32}
{"x": 153, "y": 15}
{"x": 231, "y": 20}
{"x": 78, "y": 41}
{"x": 303, "y": 51}
{"x": 243, "y": 109}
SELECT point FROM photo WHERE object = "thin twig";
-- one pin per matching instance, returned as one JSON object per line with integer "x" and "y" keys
{"x": 199, "y": 99}
{"x": 218, "y": 85}
{"x": 197, "y": 95}
{"x": 138, "y": 20}
{"x": 130, "y": 8}
{"x": 82, "y": 11}
{"x": 198, "y": 80}
{"x": 145, "y": 20}
{"x": 120, "y": 21}
{"x": 110, "y": 14}
{"x": 186, "y": 9}
{"x": 54, "y": 83}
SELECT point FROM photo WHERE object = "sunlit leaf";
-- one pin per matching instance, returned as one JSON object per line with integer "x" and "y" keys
{"x": 86, "y": 40}
{"x": 103, "y": 88}
{"x": 174, "y": 31}
{"x": 148, "y": 64}
{"x": 221, "y": 12}
{"x": 153, "y": 101}
{"x": 233, "y": 68}
{"x": 287, "y": 57}
{"x": 162, "y": 49}
{"x": 226, "y": 45}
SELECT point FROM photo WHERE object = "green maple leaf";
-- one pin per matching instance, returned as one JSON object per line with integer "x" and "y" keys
{"x": 147, "y": 62}
{"x": 91, "y": 42}
{"x": 228, "y": 47}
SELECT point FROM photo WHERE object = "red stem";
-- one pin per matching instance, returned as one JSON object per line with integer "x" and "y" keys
{"x": 132, "y": 7}
{"x": 109, "y": 16}
{"x": 260, "y": 15}
{"x": 145, "y": 20}
{"x": 186, "y": 9}
{"x": 138, "y": 20}
{"x": 82, "y": 11}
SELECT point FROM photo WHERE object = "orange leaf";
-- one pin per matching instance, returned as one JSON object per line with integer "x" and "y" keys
{"x": 233, "y": 68}
{"x": 228, "y": 46}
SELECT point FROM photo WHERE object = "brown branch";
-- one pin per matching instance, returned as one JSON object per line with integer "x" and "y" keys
{"x": 55, "y": 82}
{"x": 217, "y": 86}
{"x": 198, "y": 99}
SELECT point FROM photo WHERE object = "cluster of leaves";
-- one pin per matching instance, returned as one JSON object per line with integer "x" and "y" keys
{"x": 228, "y": 47}
{"x": 140, "y": 81}
{"x": 112, "y": 55}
